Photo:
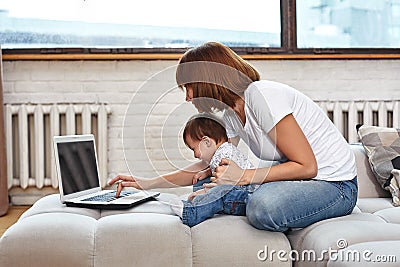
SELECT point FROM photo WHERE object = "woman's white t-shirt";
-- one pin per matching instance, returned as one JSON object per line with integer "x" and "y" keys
{"x": 266, "y": 103}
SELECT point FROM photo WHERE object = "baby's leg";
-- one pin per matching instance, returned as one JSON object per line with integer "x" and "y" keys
{"x": 223, "y": 198}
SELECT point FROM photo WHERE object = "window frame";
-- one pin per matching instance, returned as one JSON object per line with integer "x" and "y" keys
{"x": 288, "y": 49}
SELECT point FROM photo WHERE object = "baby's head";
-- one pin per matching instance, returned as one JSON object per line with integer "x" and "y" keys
{"x": 203, "y": 134}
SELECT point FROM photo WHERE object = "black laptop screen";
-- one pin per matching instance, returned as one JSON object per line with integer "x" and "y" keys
{"x": 78, "y": 166}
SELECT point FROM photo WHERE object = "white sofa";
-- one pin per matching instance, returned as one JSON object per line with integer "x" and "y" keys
{"x": 51, "y": 234}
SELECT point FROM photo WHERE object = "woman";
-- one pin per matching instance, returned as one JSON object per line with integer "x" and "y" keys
{"x": 316, "y": 177}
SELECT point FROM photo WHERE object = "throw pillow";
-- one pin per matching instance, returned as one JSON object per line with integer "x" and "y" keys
{"x": 396, "y": 182}
{"x": 382, "y": 146}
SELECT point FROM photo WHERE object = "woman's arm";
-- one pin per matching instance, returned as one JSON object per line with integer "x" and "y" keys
{"x": 177, "y": 178}
{"x": 291, "y": 141}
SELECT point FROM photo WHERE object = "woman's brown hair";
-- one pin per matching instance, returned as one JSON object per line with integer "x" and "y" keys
{"x": 215, "y": 73}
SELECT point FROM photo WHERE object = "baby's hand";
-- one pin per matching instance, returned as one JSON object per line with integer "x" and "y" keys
{"x": 201, "y": 175}
{"x": 208, "y": 186}
{"x": 194, "y": 194}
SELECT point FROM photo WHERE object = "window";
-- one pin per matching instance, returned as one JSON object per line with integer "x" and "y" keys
{"x": 285, "y": 27}
{"x": 348, "y": 24}
{"x": 141, "y": 24}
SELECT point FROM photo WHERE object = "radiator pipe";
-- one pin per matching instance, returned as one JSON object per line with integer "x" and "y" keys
{"x": 3, "y": 160}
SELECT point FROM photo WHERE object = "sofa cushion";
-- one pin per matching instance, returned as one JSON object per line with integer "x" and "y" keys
{"x": 153, "y": 206}
{"x": 297, "y": 237}
{"x": 383, "y": 150}
{"x": 390, "y": 215}
{"x": 49, "y": 239}
{"x": 142, "y": 239}
{"x": 51, "y": 234}
{"x": 377, "y": 253}
{"x": 373, "y": 204}
{"x": 52, "y": 204}
{"x": 226, "y": 238}
{"x": 340, "y": 234}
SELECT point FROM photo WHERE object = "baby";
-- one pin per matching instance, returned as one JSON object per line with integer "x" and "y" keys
{"x": 206, "y": 136}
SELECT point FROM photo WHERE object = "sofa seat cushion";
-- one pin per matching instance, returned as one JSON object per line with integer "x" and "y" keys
{"x": 55, "y": 236}
{"x": 152, "y": 206}
{"x": 342, "y": 234}
{"x": 146, "y": 235}
{"x": 352, "y": 229}
{"x": 297, "y": 236}
{"x": 377, "y": 253}
{"x": 225, "y": 238}
{"x": 371, "y": 205}
{"x": 67, "y": 239}
{"x": 142, "y": 239}
{"x": 390, "y": 215}
{"x": 52, "y": 204}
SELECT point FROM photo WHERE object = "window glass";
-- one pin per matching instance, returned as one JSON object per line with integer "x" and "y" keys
{"x": 348, "y": 24}
{"x": 127, "y": 23}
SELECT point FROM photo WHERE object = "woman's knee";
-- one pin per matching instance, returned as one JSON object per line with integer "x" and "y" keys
{"x": 265, "y": 215}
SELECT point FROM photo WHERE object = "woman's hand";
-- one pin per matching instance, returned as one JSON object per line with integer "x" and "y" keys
{"x": 228, "y": 172}
{"x": 126, "y": 181}
{"x": 201, "y": 175}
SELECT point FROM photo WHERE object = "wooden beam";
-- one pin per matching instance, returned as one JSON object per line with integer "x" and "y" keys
{"x": 3, "y": 160}
{"x": 33, "y": 57}
{"x": 154, "y": 56}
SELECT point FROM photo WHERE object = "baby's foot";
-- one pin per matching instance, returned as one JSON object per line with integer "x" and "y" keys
{"x": 173, "y": 201}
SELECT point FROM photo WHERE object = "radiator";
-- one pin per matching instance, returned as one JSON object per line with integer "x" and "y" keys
{"x": 346, "y": 115}
{"x": 29, "y": 133}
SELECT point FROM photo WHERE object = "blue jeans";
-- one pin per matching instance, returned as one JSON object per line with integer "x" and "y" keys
{"x": 226, "y": 199}
{"x": 279, "y": 206}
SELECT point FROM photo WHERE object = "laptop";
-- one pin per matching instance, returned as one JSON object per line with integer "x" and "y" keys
{"x": 78, "y": 176}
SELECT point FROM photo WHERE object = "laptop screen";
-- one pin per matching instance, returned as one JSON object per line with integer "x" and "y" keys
{"x": 78, "y": 166}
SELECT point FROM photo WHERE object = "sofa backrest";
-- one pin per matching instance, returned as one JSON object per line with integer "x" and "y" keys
{"x": 367, "y": 184}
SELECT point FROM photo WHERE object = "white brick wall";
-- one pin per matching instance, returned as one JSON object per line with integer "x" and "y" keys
{"x": 115, "y": 83}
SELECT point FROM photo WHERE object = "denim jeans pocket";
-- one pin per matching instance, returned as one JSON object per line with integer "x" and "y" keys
{"x": 350, "y": 193}
{"x": 354, "y": 196}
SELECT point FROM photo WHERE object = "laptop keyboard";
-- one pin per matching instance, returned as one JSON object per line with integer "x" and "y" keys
{"x": 107, "y": 197}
